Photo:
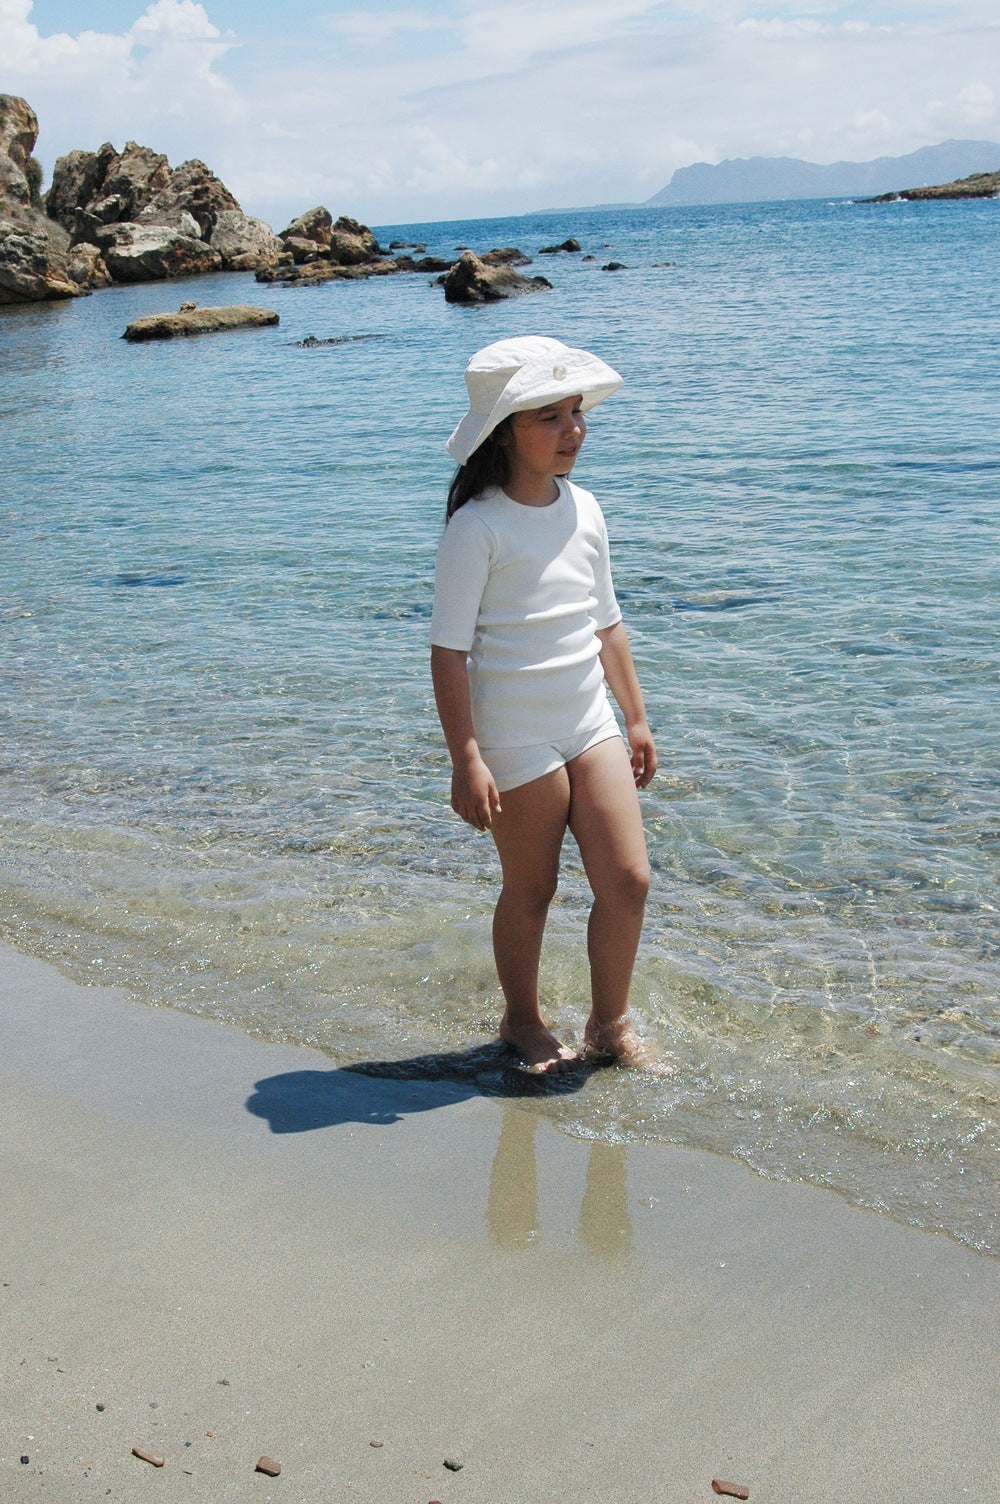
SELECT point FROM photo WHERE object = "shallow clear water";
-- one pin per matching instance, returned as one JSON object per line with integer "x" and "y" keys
{"x": 221, "y": 779}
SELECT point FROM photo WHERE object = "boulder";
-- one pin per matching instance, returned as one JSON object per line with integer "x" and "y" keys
{"x": 86, "y": 266}
{"x": 131, "y": 181}
{"x": 151, "y": 252}
{"x": 569, "y": 245}
{"x": 472, "y": 281}
{"x": 76, "y": 181}
{"x": 149, "y": 219}
{"x": 423, "y": 264}
{"x": 352, "y": 244}
{"x": 302, "y": 250}
{"x": 192, "y": 320}
{"x": 20, "y": 174}
{"x": 508, "y": 256}
{"x": 324, "y": 270}
{"x": 346, "y": 243}
{"x": 315, "y": 249}
{"x": 244, "y": 243}
{"x": 192, "y": 189}
{"x": 33, "y": 249}
{"x": 316, "y": 225}
{"x": 33, "y": 261}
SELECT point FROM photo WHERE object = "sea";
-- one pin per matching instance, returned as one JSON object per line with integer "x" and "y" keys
{"x": 223, "y": 786}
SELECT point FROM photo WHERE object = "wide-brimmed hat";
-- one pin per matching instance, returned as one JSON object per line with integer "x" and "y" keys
{"x": 515, "y": 375}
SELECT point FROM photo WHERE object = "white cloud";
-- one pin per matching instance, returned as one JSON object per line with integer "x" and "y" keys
{"x": 447, "y": 108}
{"x": 375, "y": 28}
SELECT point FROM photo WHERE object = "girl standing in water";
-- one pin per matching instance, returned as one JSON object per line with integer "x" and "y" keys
{"x": 527, "y": 637}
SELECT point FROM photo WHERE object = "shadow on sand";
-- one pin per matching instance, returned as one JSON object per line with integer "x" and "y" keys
{"x": 386, "y": 1091}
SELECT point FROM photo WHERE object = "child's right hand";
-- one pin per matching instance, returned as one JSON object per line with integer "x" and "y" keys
{"x": 474, "y": 795}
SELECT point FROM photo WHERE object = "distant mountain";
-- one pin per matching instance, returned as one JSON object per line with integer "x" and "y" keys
{"x": 753, "y": 180}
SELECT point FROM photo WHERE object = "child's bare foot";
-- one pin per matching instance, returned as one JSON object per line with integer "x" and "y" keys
{"x": 538, "y": 1050}
{"x": 617, "y": 1043}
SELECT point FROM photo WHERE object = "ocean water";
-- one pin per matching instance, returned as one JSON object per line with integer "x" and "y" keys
{"x": 222, "y": 783}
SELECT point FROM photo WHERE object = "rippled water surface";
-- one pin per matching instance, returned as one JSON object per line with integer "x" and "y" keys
{"x": 221, "y": 778}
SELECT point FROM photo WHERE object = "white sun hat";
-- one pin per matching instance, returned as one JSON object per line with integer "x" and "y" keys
{"x": 515, "y": 375}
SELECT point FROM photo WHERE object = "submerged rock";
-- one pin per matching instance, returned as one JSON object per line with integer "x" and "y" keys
{"x": 191, "y": 320}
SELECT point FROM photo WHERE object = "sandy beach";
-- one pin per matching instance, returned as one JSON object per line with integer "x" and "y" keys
{"x": 218, "y": 1249}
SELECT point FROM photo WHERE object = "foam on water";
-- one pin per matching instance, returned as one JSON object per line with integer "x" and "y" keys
{"x": 222, "y": 782}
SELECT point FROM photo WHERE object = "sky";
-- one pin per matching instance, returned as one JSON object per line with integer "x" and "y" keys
{"x": 447, "y": 109}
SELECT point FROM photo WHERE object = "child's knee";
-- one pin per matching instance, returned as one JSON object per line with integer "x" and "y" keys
{"x": 635, "y": 884}
{"x": 534, "y": 895}
{"x": 626, "y": 885}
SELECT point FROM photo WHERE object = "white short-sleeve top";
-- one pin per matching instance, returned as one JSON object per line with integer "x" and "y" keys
{"x": 524, "y": 590}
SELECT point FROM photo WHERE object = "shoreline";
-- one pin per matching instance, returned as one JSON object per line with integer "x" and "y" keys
{"x": 239, "y": 1251}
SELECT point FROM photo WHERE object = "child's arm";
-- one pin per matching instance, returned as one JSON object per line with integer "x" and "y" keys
{"x": 619, "y": 670}
{"x": 473, "y": 793}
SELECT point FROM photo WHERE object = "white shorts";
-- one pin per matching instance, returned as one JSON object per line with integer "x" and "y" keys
{"x": 513, "y": 766}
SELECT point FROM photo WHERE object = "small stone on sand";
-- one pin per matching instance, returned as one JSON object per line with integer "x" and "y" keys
{"x": 269, "y": 1466}
{"x": 734, "y": 1490}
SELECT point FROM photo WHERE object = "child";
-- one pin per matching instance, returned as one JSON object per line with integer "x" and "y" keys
{"x": 526, "y": 634}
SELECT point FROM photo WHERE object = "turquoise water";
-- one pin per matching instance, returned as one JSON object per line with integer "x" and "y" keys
{"x": 222, "y": 783}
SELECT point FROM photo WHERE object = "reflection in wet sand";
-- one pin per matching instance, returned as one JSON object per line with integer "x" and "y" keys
{"x": 512, "y": 1212}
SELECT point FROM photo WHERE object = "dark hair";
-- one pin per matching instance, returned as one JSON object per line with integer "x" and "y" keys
{"x": 487, "y": 466}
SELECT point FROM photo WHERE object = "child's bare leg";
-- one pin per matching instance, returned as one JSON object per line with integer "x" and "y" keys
{"x": 607, "y": 824}
{"x": 529, "y": 836}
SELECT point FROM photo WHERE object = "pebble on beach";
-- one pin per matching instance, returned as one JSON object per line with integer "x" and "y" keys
{"x": 269, "y": 1466}
{"x": 734, "y": 1490}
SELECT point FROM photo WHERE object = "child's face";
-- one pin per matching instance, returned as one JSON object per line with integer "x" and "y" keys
{"x": 547, "y": 440}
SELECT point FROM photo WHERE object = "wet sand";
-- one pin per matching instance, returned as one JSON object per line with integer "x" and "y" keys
{"x": 216, "y": 1249}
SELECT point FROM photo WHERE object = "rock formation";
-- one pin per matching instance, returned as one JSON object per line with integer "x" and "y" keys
{"x": 192, "y": 320}
{"x": 33, "y": 250}
{"x": 316, "y": 249}
{"x": 979, "y": 185}
{"x": 472, "y": 280}
{"x": 148, "y": 221}
{"x": 128, "y": 216}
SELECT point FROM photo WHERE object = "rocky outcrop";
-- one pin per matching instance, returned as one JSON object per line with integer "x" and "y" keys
{"x": 192, "y": 320}
{"x": 571, "y": 245}
{"x": 978, "y": 185}
{"x": 33, "y": 250}
{"x": 507, "y": 256}
{"x": 138, "y": 252}
{"x": 128, "y": 216}
{"x": 33, "y": 263}
{"x": 316, "y": 248}
{"x": 472, "y": 280}
{"x": 20, "y": 174}
{"x": 150, "y": 221}
{"x": 244, "y": 243}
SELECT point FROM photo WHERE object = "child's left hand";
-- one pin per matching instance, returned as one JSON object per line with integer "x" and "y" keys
{"x": 644, "y": 762}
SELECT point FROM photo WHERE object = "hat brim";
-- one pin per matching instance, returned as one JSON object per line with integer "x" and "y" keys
{"x": 537, "y": 383}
